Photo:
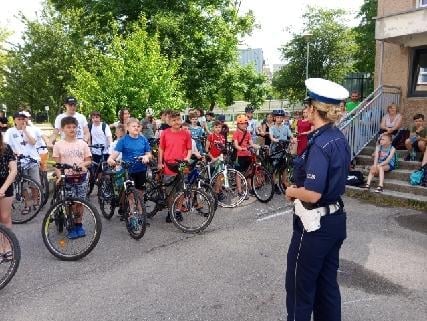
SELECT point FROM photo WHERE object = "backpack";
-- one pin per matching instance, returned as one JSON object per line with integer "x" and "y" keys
{"x": 419, "y": 176}
{"x": 103, "y": 125}
{"x": 355, "y": 178}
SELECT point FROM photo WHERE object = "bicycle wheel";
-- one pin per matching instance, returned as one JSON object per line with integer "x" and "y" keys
{"x": 152, "y": 199}
{"x": 136, "y": 219}
{"x": 208, "y": 189}
{"x": 45, "y": 187}
{"x": 27, "y": 201}
{"x": 106, "y": 198}
{"x": 262, "y": 184}
{"x": 196, "y": 210}
{"x": 229, "y": 195}
{"x": 59, "y": 222}
{"x": 10, "y": 255}
{"x": 285, "y": 178}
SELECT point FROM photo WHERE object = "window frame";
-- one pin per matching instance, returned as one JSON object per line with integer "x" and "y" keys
{"x": 421, "y": 5}
{"x": 412, "y": 82}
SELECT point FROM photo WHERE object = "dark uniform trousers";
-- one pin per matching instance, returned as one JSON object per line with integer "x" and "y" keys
{"x": 312, "y": 264}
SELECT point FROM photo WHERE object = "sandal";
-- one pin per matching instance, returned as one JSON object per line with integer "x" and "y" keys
{"x": 366, "y": 186}
{"x": 25, "y": 211}
{"x": 379, "y": 189}
{"x": 7, "y": 256}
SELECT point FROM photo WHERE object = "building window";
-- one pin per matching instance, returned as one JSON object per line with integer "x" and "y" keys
{"x": 418, "y": 77}
{"x": 423, "y": 3}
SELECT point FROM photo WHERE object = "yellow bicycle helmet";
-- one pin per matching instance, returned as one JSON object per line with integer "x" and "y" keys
{"x": 241, "y": 119}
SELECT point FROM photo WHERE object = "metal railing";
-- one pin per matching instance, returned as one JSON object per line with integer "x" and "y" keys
{"x": 363, "y": 123}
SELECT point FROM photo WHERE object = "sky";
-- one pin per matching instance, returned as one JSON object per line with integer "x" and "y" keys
{"x": 273, "y": 17}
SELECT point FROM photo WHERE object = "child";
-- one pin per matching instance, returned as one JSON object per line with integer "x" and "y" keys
{"x": 120, "y": 132}
{"x": 73, "y": 151}
{"x": 196, "y": 131}
{"x": 279, "y": 131}
{"x": 194, "y": 151}
{"x": 215, "y": 146}
{"x": 209, "y": 121}
{"x": 417, "y": 139}
{"x": 175, "y": 144}
{"x": 242, "y": 140}
{"x": 384, "y": 161}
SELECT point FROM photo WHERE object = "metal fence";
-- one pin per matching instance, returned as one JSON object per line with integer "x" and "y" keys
{"x": 363, "y": 123}
{"x": 360, "y": 82}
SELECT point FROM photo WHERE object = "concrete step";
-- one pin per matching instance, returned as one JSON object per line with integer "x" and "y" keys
{"x": 389, "y": 197}
{"x": 368, "y": 160}
{"x": 399, "y": 174}
{"x": 402, "y": 186}
{"x": 369, "y": 151}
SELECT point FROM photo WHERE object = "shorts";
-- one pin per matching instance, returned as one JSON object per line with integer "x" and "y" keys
{"x": 78, "y": 190}
{"x": 139, "y": 178}
{"x": 33, "y": 172}
{"x": 9, "y": 191}
{"x": 415, "y": 146}
{"x": 243, "y": 163}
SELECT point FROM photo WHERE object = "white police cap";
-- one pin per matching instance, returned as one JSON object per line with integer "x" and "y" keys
{"x": 326, "y": 91}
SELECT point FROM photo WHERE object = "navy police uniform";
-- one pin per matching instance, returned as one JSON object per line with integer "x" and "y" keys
{"x": 313, "y": 257}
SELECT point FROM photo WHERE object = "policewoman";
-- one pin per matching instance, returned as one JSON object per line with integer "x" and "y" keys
{"x": 319, "y": 227}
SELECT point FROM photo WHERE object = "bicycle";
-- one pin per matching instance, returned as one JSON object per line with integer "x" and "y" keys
{"x": 10, "y": 255}
{"x": 117, "y": 189}
{"x": 195, "y": 205}
{"x": 94, "y": 169}
{"x": 61, "y": 219}
{"x": 28, "y": 195}
{"x": 223, "y": 179}
{"x": 261, "y": 181}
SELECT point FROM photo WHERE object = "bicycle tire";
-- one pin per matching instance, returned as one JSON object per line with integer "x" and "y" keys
{"x": 208, "y": 189}
{"x": 52, "y": 217}
{"x": 231, "y": 192}
{"x": 151, "y": 199}
{"x": 188, "y": 200}
{"x": 45, "y": 186}
{"x": 136, "y": 219}
{"x": 10, "y": 271}
{"x": 284, "y": 184}
{"x": 106, "y": 198}
{"x": 259, "y": 179}
{"x": 17, "y": 213}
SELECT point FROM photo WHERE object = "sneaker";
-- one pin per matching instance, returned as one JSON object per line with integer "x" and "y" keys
{"x": 179, "y": 217}
{"x": 221, "y": 197}
{"x": 168, "y": 218}
{"x": 80, "y": 231}
{"x": 251, "y": 192}
{"x": 6, "y": 257}
{"x": 72, "y": 234}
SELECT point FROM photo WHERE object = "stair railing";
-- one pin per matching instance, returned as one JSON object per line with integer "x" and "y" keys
{"x": 363, "y": 123}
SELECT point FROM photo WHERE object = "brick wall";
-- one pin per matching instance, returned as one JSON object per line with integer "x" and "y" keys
{"x": 388, "y": 7}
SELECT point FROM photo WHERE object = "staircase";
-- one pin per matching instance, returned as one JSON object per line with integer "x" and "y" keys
{"x": 361, "y": 128}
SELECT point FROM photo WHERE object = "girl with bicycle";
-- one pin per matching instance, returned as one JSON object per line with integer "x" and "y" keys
{"x": 75, "y": 152}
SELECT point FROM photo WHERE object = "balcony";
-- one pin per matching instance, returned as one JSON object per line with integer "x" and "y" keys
{"x": 407, "y": 28}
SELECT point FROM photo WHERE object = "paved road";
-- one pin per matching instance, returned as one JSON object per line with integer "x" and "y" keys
{"x": 234, "y": 271}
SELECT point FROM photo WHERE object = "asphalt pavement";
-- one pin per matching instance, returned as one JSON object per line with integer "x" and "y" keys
{"x": 233, "y": 271}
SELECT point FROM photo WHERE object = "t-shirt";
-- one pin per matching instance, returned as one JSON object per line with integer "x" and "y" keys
{"x": 147, "y": 129}
{"x": 252, "y": 126}
{"x": 350, "y": 105}
{"x": 216, "y": 144}
{"x": 131, "y": 148}
{"x": 99, "y": 138}
{"x": 5, "y": 158}
{"x": 40, "y": 143}
{"x": 19, "y": 143}
{"x": 71, "y": 153}
{"x": 238, "y": 135}
{"x": 197, "y": 134}
{"x": 112, "y": 148}
{"x": 281, "y": 132}
{"x": 82, "y": 123}
{"x": 175, "y": 145}
{"x": 421, "y": 132}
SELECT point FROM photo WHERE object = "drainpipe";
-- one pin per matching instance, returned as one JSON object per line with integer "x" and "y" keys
{"x": 380, "y": 76}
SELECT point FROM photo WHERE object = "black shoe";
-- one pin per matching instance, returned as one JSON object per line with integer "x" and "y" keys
{"x": 168, "y": 218}
{"x": 251, "y": 192}
{"x": 179, "y": 217}
{"x": 221, "y": 197}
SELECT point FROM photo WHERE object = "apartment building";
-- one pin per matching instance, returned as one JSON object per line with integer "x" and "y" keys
{"x": 401, "y": 56}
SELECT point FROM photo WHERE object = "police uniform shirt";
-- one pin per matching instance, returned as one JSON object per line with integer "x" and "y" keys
{"x": 327, "y": 165}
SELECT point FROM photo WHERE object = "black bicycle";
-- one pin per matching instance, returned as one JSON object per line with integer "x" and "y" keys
{"x": 10, "y": 255}
{"x": 192, "y": 209}
{"x": 117, "y": 189}
{"x": 94, "y": 169}
{"x": 281, "y": 162}
{"x": 27, "y": 193}
{"x": 62, "y": 225}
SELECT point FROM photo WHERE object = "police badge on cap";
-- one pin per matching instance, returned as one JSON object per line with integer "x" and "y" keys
{"x": 326, "y": 91}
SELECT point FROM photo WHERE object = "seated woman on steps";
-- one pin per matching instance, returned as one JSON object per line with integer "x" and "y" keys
{"x": 384, "y": 161}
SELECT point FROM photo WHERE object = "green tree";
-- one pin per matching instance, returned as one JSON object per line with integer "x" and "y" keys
{"x": 202, "y": 34}
{"x": 365, "y": 37}
{"x": 332, "y": 49}
{"x": 130, "y": 71}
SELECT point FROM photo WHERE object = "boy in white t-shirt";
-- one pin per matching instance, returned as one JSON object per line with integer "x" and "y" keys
{"x": 100, "y": 134}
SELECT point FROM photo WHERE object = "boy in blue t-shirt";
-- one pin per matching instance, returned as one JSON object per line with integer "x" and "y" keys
{"x": 196, "y": 131}
{"x": 131, "y": 146}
